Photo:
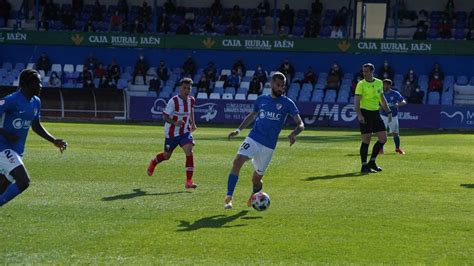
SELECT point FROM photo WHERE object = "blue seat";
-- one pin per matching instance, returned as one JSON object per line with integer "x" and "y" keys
{"x": 433, "y": 98}
{"x": 330, "y": 96}
{"x": 307, "y": 87}
{"x": 462, "y": 80}
{"x": 7, "y": 65}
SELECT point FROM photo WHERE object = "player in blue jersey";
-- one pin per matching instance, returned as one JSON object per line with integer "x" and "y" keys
{"x": 269, "y": 113}
{"x": 18, "y": 112}
{"x": 394, "y": 100}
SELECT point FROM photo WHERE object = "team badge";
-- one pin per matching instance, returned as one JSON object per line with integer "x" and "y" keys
{"x": 279, "y": 106}
{"x": 2, "y": 102}
{"x": 35, "y": 111}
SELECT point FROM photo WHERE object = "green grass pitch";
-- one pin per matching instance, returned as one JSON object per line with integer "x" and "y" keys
{"x": 94, "y": 204}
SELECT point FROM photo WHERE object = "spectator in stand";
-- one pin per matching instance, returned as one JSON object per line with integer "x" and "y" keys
{"x": 113, "y": 71}
{"x": 263, "y": 9}
{"x": 145, "y": 12}
{"x": 67, "y": 19}
{"x": 420, "y": 33}
{"x": 116, "y": 22}
{"x": 232, "y": 30}
{"x": 471, "y": 20}
{"x": 189, "y": 16}
{"x": 163, "y": 71}
{"x": 122, "y": 8}
{"x": 261, "y": 74}
{"x": 255, "y": 86}
{"x": 287, "y": 17}
{"x": 141, "y": 67}
{"x": 309, "y": 76}
{"x": 416, "y": 96}
{"x": 189, "y": 67}
{"x": 89, "y": 27}
{"x": 470, "y": 35}
{"x": 169, "y": 7}
{"x": 209, "y": 26}
{"x": 163, "y": 23}
{"x": 239, "y": 67}
{"x": 316, "y": 9}
{"x": 54, "y": 80}
{"x": 436, "y": 70}
{"x": 236, "y": 16}
{"x": 100, "y": 71}
{"x": 287, "y": 69}
{"x": 386, "y": 71}
{"x": 91, "y": 62}
{"x": 182, "y": 29}
{"x": 255, "y": 27}
{"x": 155, "y": 85}
{"x": 88, "y": 84}
{"x": 210, "y": 72}
{"x": 97, "y": 11}
{"x": 312, "y": 29}
{"x": 5, "y": 9}
{"x": 216, "y": 8}
{"x": 423, "y": 19}
{"x": 435, "y": 84}
{"x": 410, "y": 83}
{"x": 333, "y": 80}
{"x": 204, "y": 84}
{"x": 450, "y": 9}
{"x": 336, "y": 70}
{"x": 340, "y": 18}
{"x": 106, "y": 83}
{"x": 138, "y": 27}
{"x": 77, "y": 6}
{"x": 445, "y": 30}
{"x": 87, "y": 74}
{"x": 43, "y": 24}
{"x": 336, "y": 33}
{"x": 233, "y": 80}
{"x": 50, "y": 11}
{"x": 43, "y": 63}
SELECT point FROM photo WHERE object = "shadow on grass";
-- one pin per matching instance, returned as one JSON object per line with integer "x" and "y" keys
{"x": 378, "y": 156}
{"x": 326, "y": 177}
{"x": 467, "y": 185}
{"x": 216, "y": 221}
{"x": 138, "y": 192}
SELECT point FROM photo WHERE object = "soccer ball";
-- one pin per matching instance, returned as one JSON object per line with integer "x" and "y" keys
{"x": 260, "y": 201}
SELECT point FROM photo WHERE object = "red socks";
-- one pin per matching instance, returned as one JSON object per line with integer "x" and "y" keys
{"x": 189, "y": 168}
{"x": 159, "y": 158}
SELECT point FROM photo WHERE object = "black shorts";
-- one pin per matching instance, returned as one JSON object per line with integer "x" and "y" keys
{"x": 373, "y": 122}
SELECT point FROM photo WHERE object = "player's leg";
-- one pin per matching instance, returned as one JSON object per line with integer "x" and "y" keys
{"x": 381, "y": 140}
{"x": 188, "y": 151}
{"x": 22, "y": 182}
{"x": 366, "y": 134}
{"x": 170, "y": 145}
{"x": 387, "y": 127}
{"x": 4, "y": 183}
{"x": 396, "y": 135}
{"x": 260, "y": 162}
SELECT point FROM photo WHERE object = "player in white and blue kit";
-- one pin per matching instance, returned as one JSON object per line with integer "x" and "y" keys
{"x": 269, "y": 113}
{"x": 394, "y": 100}
{"x": 18, "y": 112}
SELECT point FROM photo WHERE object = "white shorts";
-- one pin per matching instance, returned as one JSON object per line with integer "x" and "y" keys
{"x": 9, "y": 160}
{"x": 393, "y": 125}
{"x": 260, "y": 155}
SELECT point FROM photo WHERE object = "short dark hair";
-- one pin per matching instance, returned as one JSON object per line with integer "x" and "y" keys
{"x": 370, "y": 66}
{"x": 27, "y": 76}
{"x": 279, "y": 75}
{"x": 186, "y": 80}
{"x": 388, "y": 81}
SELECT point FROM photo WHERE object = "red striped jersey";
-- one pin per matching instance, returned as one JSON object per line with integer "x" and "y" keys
{"x": 178, "y": 109}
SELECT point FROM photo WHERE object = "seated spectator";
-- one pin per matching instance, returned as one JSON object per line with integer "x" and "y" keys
{"x": 115, "y": 22}
{"x": 450, "y": 9}
{"x": 423, "y": 19}
{"x": 209, "y": 26}
{"x": 232, "y": 30}
{"x": 89, "y": 27}
{"x": 255, "y": 27}
{"x": 239, "y": 67}
{"x": 410, "y": 83}
{"x": 189, "y": 67}
{"x": 163, "y": 71}
{"x": 333, "y": 81}
{"x": 445, "y": 30}
{"x": 287, "y": 17}
{"x": 386, "y": 71}
{"x": 263, "y": 9}
{"x": 309, "y": 76}
{"x": 86, "y": 74}
{"x": 155, "y": 85}
{"x": 163, "y": 24}
{"x": 43, "y": 63}
{"x": 189, "y": 16}
{"x": 68, "y": 20}
{"x": 43, "y": 24}
{"x": 336, "y": 33}
{"x": 204, "y": 84}
{"x": 416, "y": 96}
{"x": 137, "y": 27}
{"x": 312, "y": 29}
{"x": 336, "y": 70}
{"x": 100, "y": 71}
{"x": 435, "y": 84}
{"x": 145, "y": 12}
{"x": 182, "y": 29}
{"x": 122, "y": 8}
{"x": 50, "y": 11}
{"x": 411, "y": 75}
{"x": 420, "y": 34}
{"x": 106, "y": 83}
{"x": 341, "y": 17}
{"x": 316, "y": 9}
{"x": 97, "y": 11}
{"x": 255, "y": 86}
{"x": 233, "y": 80}
{"x": 261, "y": 74}
{"x": 91, "y": 62}
{"x": 141, "y": 67}
{"x": 5, "y": 9}
{"x": 88, "y": 84}
{"x": 436, "y": 70}
{"x": 210, "y": 71}
{"x": 470, "y": 35}
{"x": 113, "y": 71}
{"x": 216, "y": 8}
{"x": 77, "y": 6}
{"x": 287, "y": 69}
{"x": 236, "y": 15}
{"x": 54, "y": 80}
{"x": 169, "y": 7}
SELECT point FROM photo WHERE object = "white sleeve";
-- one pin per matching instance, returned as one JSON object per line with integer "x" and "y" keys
{"x": 169, "y": 110}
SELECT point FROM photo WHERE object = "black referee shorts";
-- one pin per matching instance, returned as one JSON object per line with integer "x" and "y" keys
{"x": 373, "y": 122}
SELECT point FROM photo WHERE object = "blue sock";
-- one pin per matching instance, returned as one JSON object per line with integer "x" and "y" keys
{"x": 11, "y": 192}
{"x": 231, "y": 183}
{"x": 396, "y": 139}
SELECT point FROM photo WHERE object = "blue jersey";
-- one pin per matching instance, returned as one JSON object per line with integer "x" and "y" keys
{"x": 16, "y": 114}
{"x": 271, "y": 116}
{"x": 392, "y": 98}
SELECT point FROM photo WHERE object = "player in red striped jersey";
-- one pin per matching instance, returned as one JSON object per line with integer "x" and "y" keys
{"x": 179, "y": 124}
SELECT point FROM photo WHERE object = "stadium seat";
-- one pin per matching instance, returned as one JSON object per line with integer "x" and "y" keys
{"x": 225, "y": 72}
{"x": 201, "y": 95}
{"x": 304, "y": 96}
{"x": 30, "y": 66}
{"x": 215, "y": 96}
{"x": 318, "y": 96}
{"x": 79, "y": 68}
{"x": 230, "y": 90}
{"x": 219, "y": 84}
{"x": 249, "y": 73}
{"x": 68, "y": 68}
{"x": 267, "y": 91}
{"x": 244, "y": 85}
{"x": 307, "y": 87}
{"x": 242, "y": 90}
{"x": 462, "y": 80}
{"x": 227, "y": 96}
{"x": 252, "y": 97}
{"x": 19, "y": 66}
{"x": 57, "y": 68}
{"x": 240, "y": 96}
{"x": 330, "y": 96}
{"x": 433, "y": 98}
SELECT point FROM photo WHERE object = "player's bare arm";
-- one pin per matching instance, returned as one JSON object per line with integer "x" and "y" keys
{"x": 42, "y": 132}
{"x": 385, "y": 107}
{"x": 174, "y": 123}
{"x": 360, "y": 117}
{"x": 193, "y": 121}
{"x": 245, "y": 123}
{"x": 402, "y": 103}
{"x": 299, "y": 127}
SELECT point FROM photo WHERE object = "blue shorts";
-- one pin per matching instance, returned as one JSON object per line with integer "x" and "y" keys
{"x": 172, "y": 143}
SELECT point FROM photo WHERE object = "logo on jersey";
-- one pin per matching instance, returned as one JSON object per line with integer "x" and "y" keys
{"x": 269, "y": 115}
{"x": 2, "y": 102}
{"x": 20, "y": 123}
{"x": 279, "y": 106}
{"x": 158, "y": 107}
{"x": 207, "y": 111}
{"x": 35, "y": 112}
